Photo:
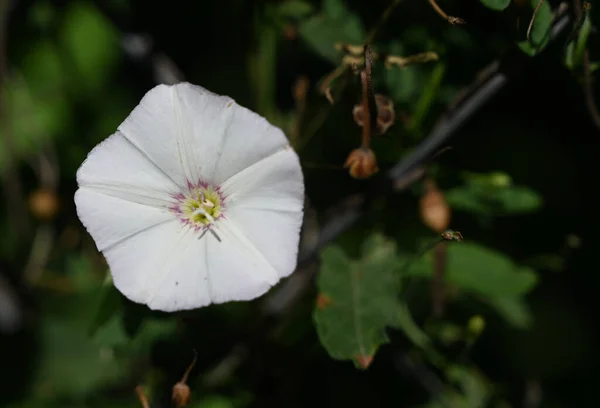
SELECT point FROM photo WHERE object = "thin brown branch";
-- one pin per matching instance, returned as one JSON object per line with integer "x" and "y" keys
{"x": 442, "y": 13}
{"x": 325, "y": 87}
{"x": 142, "y": 397}
{"x": 190, "y": 367}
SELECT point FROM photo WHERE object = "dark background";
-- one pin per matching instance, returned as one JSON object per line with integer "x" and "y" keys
{"x": 537, "y": 129}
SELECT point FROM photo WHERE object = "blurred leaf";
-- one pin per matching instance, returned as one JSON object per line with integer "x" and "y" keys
{"x": 475, "y": 388}
{"x": 71, "y": 364}
{"x": 335, "y": 24}
{"x": 475, "y": 268}
{"x": 92, "y": 44}
{"x": 357, "y": 300}
{"x": 496, "y": 4}
{"x": 575, "y": 49}
{"x": 262, "y": 69}
{"x": 540, "y": 32}
{"x": 402, "y": 83}
{"x": 113, "y": 335}
{"x": 427, "y": 97}
{"x": 295, "y": 9}
{"x": 109, "y": 306}
{"x": 410, "y": 328}
{"x": 488, "y": 274}
{"x": 36, "y": 93}
{"x": 492, "y": 194}
{"x": 513, "y": 309}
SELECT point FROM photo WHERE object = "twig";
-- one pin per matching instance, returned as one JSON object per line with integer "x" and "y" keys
{"x": 142, "y": 397}
{"x": 409, "y": 169}
{"x": 450, "y": 19}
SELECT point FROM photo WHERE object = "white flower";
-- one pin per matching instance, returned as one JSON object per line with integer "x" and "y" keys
{"x": 194, "y": 200}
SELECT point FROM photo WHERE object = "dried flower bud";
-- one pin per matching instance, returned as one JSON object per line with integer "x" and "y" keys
{"x": 43, "y": 203}
{"x": 362, "y": 163}
{"x": 181, "y": 394}
{"x": 435, "y": 211}
{"x": 385, "y": 114}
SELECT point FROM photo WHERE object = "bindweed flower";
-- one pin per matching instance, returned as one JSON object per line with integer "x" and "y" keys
{"x": 194, "y": 200}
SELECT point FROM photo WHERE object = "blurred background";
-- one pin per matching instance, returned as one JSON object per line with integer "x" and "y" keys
{"x": 503, "y": 318}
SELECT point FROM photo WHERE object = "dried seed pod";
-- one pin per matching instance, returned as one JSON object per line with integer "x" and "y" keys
{"x": 181, "y": 394}
{"x": 362, "y": 163}
{"x": 386, "y": 116}
{"x": 435, "y": 211}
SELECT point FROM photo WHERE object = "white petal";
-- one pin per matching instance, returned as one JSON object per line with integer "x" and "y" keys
{"x": 180, "y": 128}
{"x": 249, "y": 138}
{"x": 170, "y": 268}
{"x": 118, "y": 168}
{"x": 110, "y": 219}
{"x": 265, "y": 202}
{"x": 163, "y": 267}
{"x": 236, "y": 269}
{"x": 193, "y": 134}
{"x": 274, "y": 183}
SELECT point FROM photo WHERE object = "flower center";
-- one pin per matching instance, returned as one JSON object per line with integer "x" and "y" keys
{"x": 201, "y": 206}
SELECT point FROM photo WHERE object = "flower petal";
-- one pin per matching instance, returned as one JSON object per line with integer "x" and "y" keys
{"x": 185, "y": 271}
{"x": 118, "y": 168}
{"x": 163, "y": 267}
{"x": 110, "y": 219}
{"x": 180, "y": 128}
{"x": 265, "y": 201}
{"x": 236, "y": 269}
{"x": 274, "y": 183}
{"x": 248, "y": 139}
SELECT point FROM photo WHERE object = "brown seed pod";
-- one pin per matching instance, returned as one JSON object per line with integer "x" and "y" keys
{"x": 362, "y": 163}
{"x": 386, "y": 116}
{"x": 435, "y": 211}
{"x": 181, "y": 394}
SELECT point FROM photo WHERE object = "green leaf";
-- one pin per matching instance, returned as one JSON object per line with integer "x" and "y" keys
{"x": 295, "y": 9}
{"x": 513, "y": 309}
{"x": 92, "y": 44}
{"x": 575, "y": 49}
{"x": 475, "y": 388}
{"x": 72, "y": 364}
{"x": 110, "y": 304}
{"x": 496, "y": 4}
{"x": 36, "y": 93}
{"x": 357, "y": 300}
{"x": 493, "y": 194}
{"x": 540, "y": 32}
{"x": 335, "y": 24}
{"x": 410, "y": 328}
{"x": 491, "y": 276}
{"x": 475, "y": 268}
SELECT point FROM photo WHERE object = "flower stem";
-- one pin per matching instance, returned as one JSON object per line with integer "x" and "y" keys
{"x": 368, "y": 99}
